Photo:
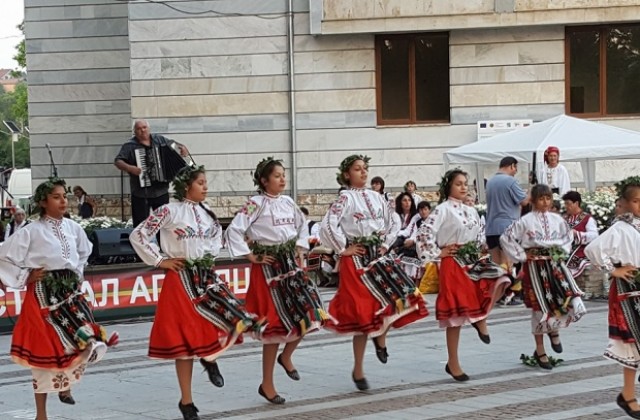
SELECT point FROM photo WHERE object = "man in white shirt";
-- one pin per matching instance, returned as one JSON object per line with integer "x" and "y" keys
{"x": 18, "y": 222}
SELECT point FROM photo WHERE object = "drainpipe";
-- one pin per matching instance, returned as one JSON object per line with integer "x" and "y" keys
{"x": 292, "y": 106}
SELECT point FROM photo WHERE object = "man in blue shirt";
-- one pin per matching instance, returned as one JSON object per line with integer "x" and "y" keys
{"x": 504, "y": 201}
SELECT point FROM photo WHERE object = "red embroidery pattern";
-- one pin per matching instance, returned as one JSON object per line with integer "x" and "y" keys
{"x": 56, "y": 227}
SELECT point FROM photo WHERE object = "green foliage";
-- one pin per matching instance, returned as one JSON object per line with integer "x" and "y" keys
{"x": 14, "y": 107}
{"x": 531, "y": 361}
{"x": 21, "y": 54}
{"x": 469, "y": 251}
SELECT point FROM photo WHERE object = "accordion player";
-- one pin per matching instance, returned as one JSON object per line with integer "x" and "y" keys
{"x": 159, "y": 163}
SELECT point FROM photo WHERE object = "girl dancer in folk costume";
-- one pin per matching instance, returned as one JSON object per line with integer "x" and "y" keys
{"x": 616, "y": 251}
{"x": 279, "y": 289}
{"x": 542, "y": 240}
{"x": 469, "y": 285}
{"x": 374, "y": 293}
{"x": 56, "y": 335}
{"x": 197, "y": 315}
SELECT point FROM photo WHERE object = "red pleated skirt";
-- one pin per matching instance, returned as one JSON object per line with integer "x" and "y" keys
{"x": 356, "y": 311}
{"x": 35, "y": 343}
{"x": 461, "y": 299}
{"x": 178, "y": 330}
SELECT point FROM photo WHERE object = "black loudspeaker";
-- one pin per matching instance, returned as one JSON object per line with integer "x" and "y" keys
{"x": 112, "y": 246}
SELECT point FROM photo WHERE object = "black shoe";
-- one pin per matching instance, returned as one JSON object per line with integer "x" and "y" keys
{"x": 214, "y": 372}
{"x": 293, "y": 374}
{"x": 66, "y": 398}
{"x": 277, "y": 399}
{"x": 361, "y": 384}
{"x": 543, "y": 365}
{"x": 460, "y": 378}
{"x": 381, "y": 352}
{"x": 189, "y": 411}
{"x": 625, "y": 406}
{"x": 556, "y": 347}
{"x": 485, "y": 338}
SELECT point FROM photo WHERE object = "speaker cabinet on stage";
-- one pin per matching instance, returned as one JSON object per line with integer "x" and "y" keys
{"x": 112, "y": 246}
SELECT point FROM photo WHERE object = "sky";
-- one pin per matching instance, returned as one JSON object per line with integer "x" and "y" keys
{"x": 11, "y": 16}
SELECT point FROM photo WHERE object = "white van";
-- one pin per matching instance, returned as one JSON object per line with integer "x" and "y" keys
{"x": 19, "y": 186}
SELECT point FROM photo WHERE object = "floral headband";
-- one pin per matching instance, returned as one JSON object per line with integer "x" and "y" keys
{"x": 346, "y": 164}
{"x": 44, "y": 189}
{"x": 445, "y": 181}
{"x": 181, "y": 181}
{"x": 262, "y": 169}
{"x": 629, "y": 181}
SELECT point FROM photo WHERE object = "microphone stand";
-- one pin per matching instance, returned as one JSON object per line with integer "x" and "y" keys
{"x": 54, "y": 168}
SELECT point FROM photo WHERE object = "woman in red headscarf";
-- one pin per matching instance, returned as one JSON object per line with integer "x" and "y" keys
{"x": 555, "y": 175}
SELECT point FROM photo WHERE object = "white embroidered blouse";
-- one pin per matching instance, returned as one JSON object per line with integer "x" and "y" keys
{"x": 452, "y": 222}
{"x": 557, "y": 177}
{"x": 266, "y": 220}
{"x": 536, "y": 230}
{"x": 358, "y": 213}
{"x": 617, "y": 245}
{"x": 186, "y": 231}
{"x": 52, "y": 244}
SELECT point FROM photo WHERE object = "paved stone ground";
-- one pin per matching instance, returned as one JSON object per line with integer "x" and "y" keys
{"x": 413, "y": 385}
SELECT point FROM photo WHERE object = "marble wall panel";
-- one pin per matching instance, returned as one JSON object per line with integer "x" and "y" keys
{"x": 507, "y": 94}
{"x": 117, "y": 136}
{"x": 78, "y": 123}
{"x": 77, "y": 28}
{"x": 77, "y": 44}
{"x": 209, "y": 86}
{"x": 507, "y": 53}
{"x": 79, "y": 60}
{"x": 336, "y": 100}
{"x": 209, "y": 47}
{"x": 43, "y": 77}
{"x": 209, "y": 105}
{"x": 82, "y": 92}
{"x": 507, "y": 74}
{"x": 80, "y": 108}
{"x": 473, "y": 114}
{"x": 334, "y": 61}
{"x": 142, "y": 11}
{"x": 68, "y": 12}
{"x": 335, "y": 81}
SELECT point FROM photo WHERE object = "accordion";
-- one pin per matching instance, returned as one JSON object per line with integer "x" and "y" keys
{"x": 159, "y": 163}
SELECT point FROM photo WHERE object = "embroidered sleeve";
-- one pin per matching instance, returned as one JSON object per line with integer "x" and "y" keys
{"x": 392, "y": 224}
{"x": 565, "y": 234}
{"x": 511, "y": 241}
{"x": 13, "y": 252}
{"x": 301, "y": 227}
{"x": 84, "y": 249}
{"x": 142, "y": 237}
{"x": 600, "y": 250}
{"x": 216, "y": 240}
{"x": 481, "y": 239}
{"x": 426, "y": 238}
{"x": 234, "y": 236}
{"x": 591, "y": 232}
{"x": 331, "y": 233}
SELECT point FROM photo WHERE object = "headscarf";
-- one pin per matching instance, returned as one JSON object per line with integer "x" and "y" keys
{"x": 551, "y": 149}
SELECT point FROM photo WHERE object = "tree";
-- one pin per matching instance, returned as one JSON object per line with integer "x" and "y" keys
{"x": 21, "y": 55}
{"x": 14, "y": 107}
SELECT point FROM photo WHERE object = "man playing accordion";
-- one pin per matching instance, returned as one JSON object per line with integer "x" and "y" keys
{"x": 150, "y": 194}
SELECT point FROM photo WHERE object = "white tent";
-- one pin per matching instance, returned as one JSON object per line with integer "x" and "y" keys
{"x": 578, "y": 140}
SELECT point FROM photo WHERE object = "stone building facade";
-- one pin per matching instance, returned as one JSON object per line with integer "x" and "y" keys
{"x": 214, "y": 75}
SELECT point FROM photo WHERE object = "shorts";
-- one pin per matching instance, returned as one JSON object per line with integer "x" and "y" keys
{"x": 493, "y": 241}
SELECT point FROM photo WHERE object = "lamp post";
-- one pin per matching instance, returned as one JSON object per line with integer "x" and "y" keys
{"x": 15, "y": 131}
